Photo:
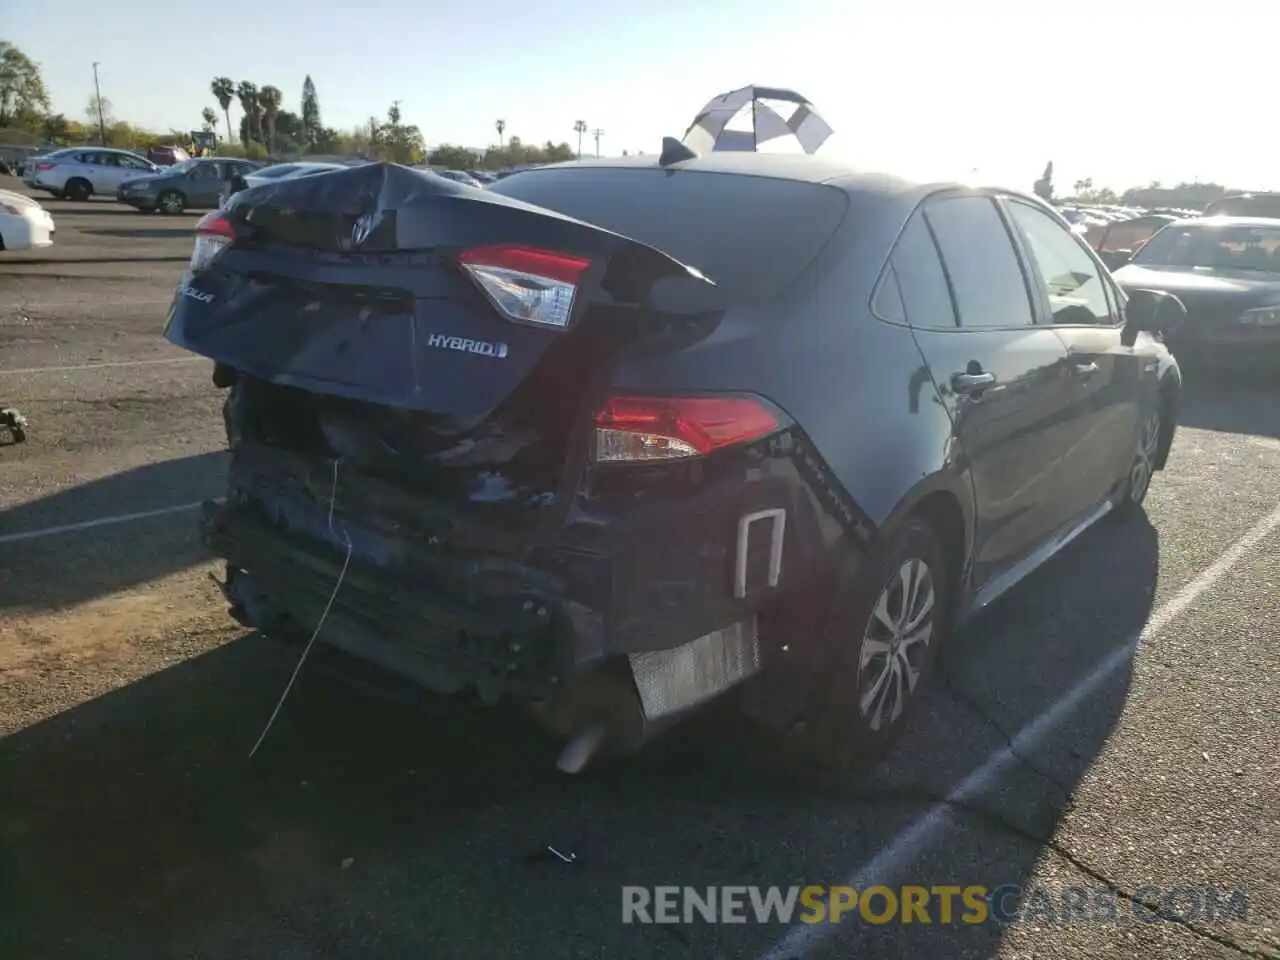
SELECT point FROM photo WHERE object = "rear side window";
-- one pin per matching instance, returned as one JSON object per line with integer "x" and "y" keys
{"x": 753, "y": 236}
{"x": 978, "y": 254}
{"x": 921, "y": 281}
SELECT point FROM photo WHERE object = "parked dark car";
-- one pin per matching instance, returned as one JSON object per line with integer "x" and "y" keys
{"x": 1245, "y": 205}
{"x": 193, "y": 184}
{"x": 167, "y": 156}
{"x": 1226, "y": 271}
{"x": 1118, "y": 241}
{"x": 612, "y": 438}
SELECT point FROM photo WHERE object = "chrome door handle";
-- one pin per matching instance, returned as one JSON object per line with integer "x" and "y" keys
{"x": 971, "y": 382}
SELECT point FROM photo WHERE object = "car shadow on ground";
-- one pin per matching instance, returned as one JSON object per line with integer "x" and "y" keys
{"x": 1244, "y": 403}
{"x": 55, "y": 570}
{"x": 137, "y": 825}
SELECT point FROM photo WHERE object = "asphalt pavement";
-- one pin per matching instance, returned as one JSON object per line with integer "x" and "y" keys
{"x": 1113, "y": 726}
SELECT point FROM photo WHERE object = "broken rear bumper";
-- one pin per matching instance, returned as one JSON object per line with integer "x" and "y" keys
{"x": 521, "y": 644}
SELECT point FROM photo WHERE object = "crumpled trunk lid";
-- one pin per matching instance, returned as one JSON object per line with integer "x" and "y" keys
{"x": 351, "y": 333}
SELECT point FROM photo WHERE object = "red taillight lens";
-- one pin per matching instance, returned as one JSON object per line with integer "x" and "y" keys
{"x": 214, "y": 232}
{"x": 526, "y": 284}
{"x": 668, "y": 428}
{"x": 44, "y": 166}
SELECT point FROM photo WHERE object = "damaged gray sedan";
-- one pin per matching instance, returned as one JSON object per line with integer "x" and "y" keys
{"x": 614, "y": 439}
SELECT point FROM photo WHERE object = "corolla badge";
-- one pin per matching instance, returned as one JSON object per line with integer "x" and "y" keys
{"x": 361, "y": 230}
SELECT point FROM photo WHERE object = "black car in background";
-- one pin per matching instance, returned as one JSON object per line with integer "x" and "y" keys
{"x": 188, "y": 185}
{"x": 1226, "y": 272}
{"x": 1245, "y": 205}
{"x": 613, "y": 437}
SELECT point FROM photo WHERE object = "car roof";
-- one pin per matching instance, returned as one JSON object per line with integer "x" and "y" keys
{"x": 800, "y": 167}
{"x": 1229, "y": 222}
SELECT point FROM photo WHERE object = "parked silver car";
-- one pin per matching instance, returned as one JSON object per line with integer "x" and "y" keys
{"x": 78, "y": 174}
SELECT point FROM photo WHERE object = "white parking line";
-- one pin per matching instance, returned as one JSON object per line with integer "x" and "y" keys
{"x": 929, "y": 827}
{"x": 95, "y": 523}
{"x": 95, "y": 302}
{"x": 95, "y": 366}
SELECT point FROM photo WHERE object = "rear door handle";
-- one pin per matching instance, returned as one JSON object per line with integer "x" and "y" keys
{"x": 965, "y": 383}
{"x": 1086, "y": 369}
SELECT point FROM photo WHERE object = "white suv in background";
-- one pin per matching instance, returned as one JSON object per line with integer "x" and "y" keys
{"x": 78, "y": 174}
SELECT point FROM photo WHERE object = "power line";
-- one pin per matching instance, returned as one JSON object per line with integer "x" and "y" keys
{"x": 97, "y": 91}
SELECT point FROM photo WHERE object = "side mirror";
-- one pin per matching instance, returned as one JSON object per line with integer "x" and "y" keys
{"x": 1154, "y": 311}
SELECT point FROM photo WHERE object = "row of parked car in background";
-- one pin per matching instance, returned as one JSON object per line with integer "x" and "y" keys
{"x": 172, "y": 182}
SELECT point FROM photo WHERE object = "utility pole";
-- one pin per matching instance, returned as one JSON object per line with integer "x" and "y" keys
{"x": 597, "y": 133}
{"x": 97, "y": 96}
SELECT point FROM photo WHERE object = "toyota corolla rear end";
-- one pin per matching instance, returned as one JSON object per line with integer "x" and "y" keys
{"x": 427, "y": 451}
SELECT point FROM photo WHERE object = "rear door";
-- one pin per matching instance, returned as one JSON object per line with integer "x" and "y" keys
{"x": 999, "y": 374}
{"x": 87, "y": 165}
{"x": 1104, "y": 373}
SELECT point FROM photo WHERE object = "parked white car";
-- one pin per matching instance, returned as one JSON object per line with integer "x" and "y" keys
{"x": 24, "y": 224}
{"x": 78, "y": 174}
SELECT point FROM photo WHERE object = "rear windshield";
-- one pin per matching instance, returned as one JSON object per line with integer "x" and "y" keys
{"x": 751, "y": 235}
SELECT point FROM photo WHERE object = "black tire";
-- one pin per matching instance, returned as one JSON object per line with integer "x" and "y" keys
{"x": 1150, "y": 436}
{"x": 839, "y": 729}
{"x": 171, "y": 202}
{"x": 78, "y": 190}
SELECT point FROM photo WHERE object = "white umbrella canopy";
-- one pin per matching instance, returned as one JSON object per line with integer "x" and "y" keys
{"x": 769, "y": 113}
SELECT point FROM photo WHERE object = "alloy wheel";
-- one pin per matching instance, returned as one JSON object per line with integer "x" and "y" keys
{"x": 1145, "y": 459}
{"x": 895, "y": 644}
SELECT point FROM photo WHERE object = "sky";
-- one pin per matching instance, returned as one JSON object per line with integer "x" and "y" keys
{"x": 1123, "y": 92}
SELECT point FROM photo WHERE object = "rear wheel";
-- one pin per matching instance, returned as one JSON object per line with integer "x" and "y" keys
{"x": 881, "y": 642}
{"x": 171, "y": 201}
{"x": 78, "y": 189}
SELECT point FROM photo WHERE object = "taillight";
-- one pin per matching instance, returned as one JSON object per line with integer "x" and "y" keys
{"x": 668, "y": 428}
{"x": 525, "y": 284}
{"x": 45, "y": 166}
{"x": 214, "y": 233}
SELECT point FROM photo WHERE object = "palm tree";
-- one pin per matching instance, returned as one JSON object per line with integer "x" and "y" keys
{"x": 247, "y": 94}
{"x": 270, "y": 98}
{"x": 579, "y": 127}
{"x": 225, "y": 90}
{"x": 210, "y": 118}
{"x": 501, "y": 127}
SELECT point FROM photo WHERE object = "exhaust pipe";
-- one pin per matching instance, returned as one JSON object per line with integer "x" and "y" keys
{"x": 598, "y": 711}
{"x": 584, "y": 745}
